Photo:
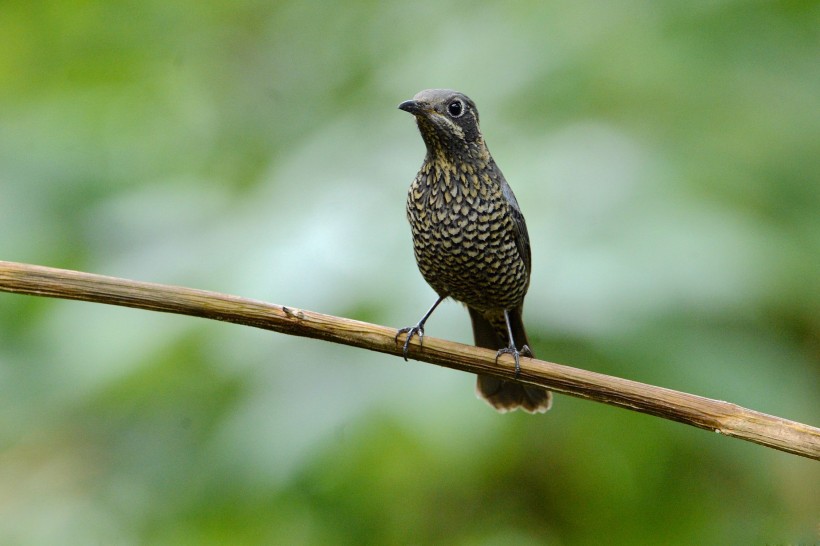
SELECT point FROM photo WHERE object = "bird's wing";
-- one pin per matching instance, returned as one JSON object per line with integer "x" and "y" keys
{"x": 522, "y": 238}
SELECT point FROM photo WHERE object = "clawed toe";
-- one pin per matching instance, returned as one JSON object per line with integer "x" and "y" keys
{"x": 516, "y": 355}
{"x": 411, "y": 331}
{"x": 418, "y": 329}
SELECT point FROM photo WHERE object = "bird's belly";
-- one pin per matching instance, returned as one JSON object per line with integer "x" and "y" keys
{"x": 472, "y": 263}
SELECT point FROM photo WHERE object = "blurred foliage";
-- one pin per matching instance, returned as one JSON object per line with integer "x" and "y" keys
{"x": 665, "y": 155}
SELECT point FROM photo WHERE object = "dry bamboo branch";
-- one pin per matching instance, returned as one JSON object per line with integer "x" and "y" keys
{"x": 722, "y": 417}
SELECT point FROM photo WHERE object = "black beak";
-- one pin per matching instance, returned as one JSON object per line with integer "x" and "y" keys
{"x": 411, "y": 106}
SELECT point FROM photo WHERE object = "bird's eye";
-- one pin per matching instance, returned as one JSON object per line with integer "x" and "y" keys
{"x": 455, "y": 108}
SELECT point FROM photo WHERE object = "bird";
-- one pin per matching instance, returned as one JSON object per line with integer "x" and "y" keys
{"x": 470, "y": 239}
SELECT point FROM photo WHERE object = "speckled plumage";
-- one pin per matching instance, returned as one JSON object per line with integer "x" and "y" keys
{"x": 467, "y": 241}
{"x": 469, "y": 236}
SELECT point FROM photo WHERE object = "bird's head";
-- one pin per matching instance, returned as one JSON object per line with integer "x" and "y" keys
{"x": 447, "y": 120}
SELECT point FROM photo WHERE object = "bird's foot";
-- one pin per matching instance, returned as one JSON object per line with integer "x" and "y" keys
{"x": 516, "y": 354}
{"x": 417, "y": 330}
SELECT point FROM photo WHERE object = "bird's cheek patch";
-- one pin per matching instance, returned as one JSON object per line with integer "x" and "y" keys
{"x": 451, "y": 127}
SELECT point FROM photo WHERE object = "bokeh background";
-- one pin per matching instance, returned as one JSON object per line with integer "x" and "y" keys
{"x": 665, "y": 155}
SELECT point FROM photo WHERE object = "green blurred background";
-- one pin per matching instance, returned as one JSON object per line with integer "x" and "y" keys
{"x": 665, "y": 155}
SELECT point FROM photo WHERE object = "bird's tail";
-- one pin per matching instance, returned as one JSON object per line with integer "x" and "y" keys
{"x": 503, "y": 395}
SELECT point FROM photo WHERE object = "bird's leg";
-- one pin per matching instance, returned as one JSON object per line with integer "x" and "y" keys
{"x": 418, "y": 329}
{"x": 510, "y": 348}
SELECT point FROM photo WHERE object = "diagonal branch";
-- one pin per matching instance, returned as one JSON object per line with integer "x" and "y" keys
{"x": 721, "y": 417}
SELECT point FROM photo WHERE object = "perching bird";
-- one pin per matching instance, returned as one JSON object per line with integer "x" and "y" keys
{"x": 470, "y": 238}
